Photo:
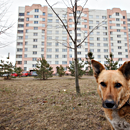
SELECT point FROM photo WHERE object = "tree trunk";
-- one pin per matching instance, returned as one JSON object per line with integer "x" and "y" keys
{"x": 75, "y": 51}
{"x": 76, "y": 72}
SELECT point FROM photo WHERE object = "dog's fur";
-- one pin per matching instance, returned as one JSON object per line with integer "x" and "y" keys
{"x": 114, "y": 88}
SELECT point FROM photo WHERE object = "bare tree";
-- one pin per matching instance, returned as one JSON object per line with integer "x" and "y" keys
{"x": 5, "y": 24}
{"x": 73, "y": 9}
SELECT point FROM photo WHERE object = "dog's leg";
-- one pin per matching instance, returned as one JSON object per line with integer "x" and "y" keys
{"x": 110, "y": 125}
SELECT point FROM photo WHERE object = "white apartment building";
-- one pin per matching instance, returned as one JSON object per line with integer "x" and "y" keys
{"x": 41, "y": 34}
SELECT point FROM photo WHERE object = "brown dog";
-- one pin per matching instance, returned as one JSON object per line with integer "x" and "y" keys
{"x": 114, "y": 90}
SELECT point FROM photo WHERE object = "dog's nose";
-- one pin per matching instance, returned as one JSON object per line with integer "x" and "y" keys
{"x": 109, "y": 104}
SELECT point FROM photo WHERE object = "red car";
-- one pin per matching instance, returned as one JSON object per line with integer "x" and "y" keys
{"x": 25, "y": 73}
{"x": 14, "y": 74}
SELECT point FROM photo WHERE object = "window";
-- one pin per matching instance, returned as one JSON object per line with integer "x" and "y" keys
{"x": 117, "y": 19}
{"x": 25, "y": 62}
{"x": 98, "y": 44}
{"x": 64, "y": 50}
{"x": 43, "y": 25}
{"x": 98, "y": 33}
{"x": 85, "y": 15}
{"x": 18, "y": 56}
{"x": 20, "y": 20}
{"x": 34, "y": 52}
{"x": 49, "y": 32}
{"x": 123, "y": 22}
{"x": 70, "y": 25}
{"x": 91, "y": 38}
{"x": 111, "y": 38}
{"x": 112, "y": 50}
{"x": 56, "y": 50}
{"x": 35, "y": 40}
{"x": 20, "y": 31}
{"x": 90, "y": 27}
{"x": 123, "y": 17}
{"x": 20, "y": 37}
{"x": 90, "y": 16}
{"x": 126, "y": 50}
{"x": 64, "y": 62}
{"x": 105, "y": 33}
{"x": 112, "y": 44}
{"x": 43, "y": 31}
{"x": 97, "y": 16}
{"x": 36, "y": 10}
{"x": 90, "y": 22}
{"x": 104, "y": 17}
{"x": 105, "y": 56}
{"x": 42, "y": 49}
{"x": 35, "y": 16}
{"x": 104, "y": 39}
{"x": 19, "y": 62}
{"x": 25, "y": 55}
{"x": 34, "y": 46}
{"x": 49, "y": 44}
{"x": 117, "y": 14}
{"x": 49, "y": 49}
{"x": 85, "y": 20}
{"x": 97, "y": 22}
{"x": 27, "y": 19}
{"x": 98, "y": 38}
{"x": 57, "y": 20}
{"x": 33, "y": 65}
{"x": 118, "y": 41}
{"x": 35, "y": 28}
{"x": 43, "y": 19}
{"x": 49, "y": 20}
{"x": 104, "y": 28}
{"x": 56, "y": 44}
{"x": 118, "y": 30}
{"x": 65, "y": 56}
{"x": 26, "y": 49}
{"x": 49, "y": 56}
{"x": 70, "y": 14}
{"x": 118, "y": 36}
{"x": 26, "y": 37}
{"x": 98, "y": 50}
{"x": 110, "y": 21}
{"x": 43, "y": 13}
{"x": 126, "y": 56}
{"x": 91, "y": 50}
{"x": 34, "y": 59}
{"x": 125, "y": 44}
{"x": 118, "y": 25}
{"x": 70, "y": 56}
{"x": 105, "y": 44}
{"x": 42, "y": 43}
{"x": 27, "y": 24}
{"x": 56, "y": 56}
{"x": 50, "y": 15}
{"x": 91, "y": 44}
{"x": 99, "y": 56}
{"x": 26, "y": 43}
{"x": 105, "y": 50}
{"x": 35, "y": 34}
{"x": 110, "y": 16}
{"x": 21, "y": 14}
{"x": 119, "y": 53}
{"x": 85, "y": 26}
{"x": 119, "y": 47}
{"x": 49, "y": 38}
{"x": 19, "y": 43}
{"x": 56, "y": 62}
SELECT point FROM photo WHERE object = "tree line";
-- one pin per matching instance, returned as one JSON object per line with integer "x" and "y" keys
{"x": 44, "y": 70}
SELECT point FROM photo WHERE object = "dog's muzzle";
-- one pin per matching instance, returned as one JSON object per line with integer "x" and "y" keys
{"x": 110, "y": 104}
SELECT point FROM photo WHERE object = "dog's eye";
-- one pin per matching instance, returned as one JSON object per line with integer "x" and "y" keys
{"x": 118, "y": 85}
{"x": 103, "y": 84}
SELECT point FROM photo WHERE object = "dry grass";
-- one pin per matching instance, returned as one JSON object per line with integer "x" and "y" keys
{"x": 32, "y": 104}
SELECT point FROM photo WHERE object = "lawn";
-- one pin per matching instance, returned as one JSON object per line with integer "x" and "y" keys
{"x": 31, "y": 104}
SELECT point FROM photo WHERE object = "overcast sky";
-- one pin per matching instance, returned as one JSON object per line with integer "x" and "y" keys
{"x": 13, "y": 16}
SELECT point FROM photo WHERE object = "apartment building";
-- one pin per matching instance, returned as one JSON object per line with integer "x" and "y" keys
{"x": 41, "y": 34}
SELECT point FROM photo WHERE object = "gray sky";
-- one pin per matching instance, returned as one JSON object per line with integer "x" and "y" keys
{"x": 12, "y": 15}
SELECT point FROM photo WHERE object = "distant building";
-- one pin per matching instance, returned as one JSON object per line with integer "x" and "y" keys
{"x": 40, "y": 34}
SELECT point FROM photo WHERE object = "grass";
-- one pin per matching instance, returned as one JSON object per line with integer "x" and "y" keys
{"x": 30, "y": 104}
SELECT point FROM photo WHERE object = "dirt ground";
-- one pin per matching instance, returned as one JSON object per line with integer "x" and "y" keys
{"x": 32, "y": 104}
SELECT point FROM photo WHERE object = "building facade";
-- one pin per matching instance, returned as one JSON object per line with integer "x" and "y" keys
{"x": 41, "y": 34}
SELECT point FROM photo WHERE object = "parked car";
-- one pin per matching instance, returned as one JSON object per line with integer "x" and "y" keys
{"x": 33, "y": 73}
{"x": 5, "y": 75}
{"x": 14, "y": 74}
{"x": 25, "y": 73}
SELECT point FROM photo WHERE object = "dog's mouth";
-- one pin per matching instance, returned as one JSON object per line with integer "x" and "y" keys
{"x": 109, "y": 104}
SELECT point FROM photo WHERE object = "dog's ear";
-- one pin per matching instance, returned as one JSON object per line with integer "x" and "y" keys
{"x": 97, "y": 68}
{"x": 125, "y": 69}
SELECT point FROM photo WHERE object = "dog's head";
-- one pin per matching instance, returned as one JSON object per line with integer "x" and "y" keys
{"x": 113, "y": 85}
